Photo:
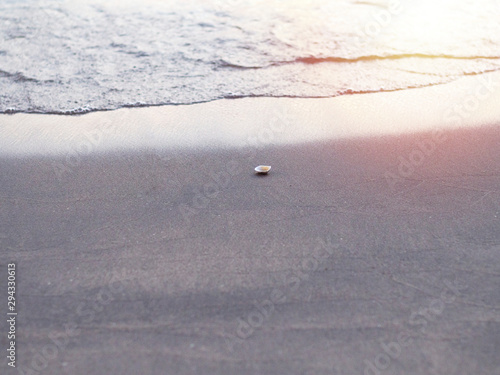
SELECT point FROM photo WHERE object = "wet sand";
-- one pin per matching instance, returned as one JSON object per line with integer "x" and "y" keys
{"x": 365, "y": 255}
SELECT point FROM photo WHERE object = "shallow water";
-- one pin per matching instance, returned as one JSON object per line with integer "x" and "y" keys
{"x": 78, "y": 56}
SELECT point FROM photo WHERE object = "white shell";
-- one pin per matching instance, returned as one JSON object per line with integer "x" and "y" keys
{"x": 263, "y": 169}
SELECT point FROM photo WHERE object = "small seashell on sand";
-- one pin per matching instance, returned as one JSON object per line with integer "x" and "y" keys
{"x": 263, "y": 169}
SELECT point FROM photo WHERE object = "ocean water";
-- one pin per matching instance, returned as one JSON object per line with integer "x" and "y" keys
{"x": 75, "y": 56}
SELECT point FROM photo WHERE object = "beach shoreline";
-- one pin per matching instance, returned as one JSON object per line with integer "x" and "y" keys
{"x": 255, "y": 122}
{"x": 145, "y": 242}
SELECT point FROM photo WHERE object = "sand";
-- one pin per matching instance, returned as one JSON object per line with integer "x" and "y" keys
{"x": 362, "y": 252}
